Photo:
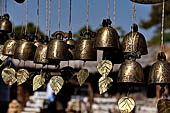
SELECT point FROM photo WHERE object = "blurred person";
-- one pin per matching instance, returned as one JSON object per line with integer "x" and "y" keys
{"x": 14, "y": 107}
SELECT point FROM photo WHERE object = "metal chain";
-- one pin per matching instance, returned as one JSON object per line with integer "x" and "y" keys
{"x": 70, "y": 25}
{"x": 26, "y": 17}
{"x": 49, "y": 29}
{"x": 162, "y": 33}
{"x": 87, "y": 24}
{"x": 46, "y": 17}
{"x": 108, "y": 9}
{"x": 13, "y": 14}
{"x": 58, "y": 15}
{"x": 37, "y": 17}
{"x": 114, "y": 18}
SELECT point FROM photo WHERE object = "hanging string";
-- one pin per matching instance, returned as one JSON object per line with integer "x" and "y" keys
{"x": 37, "y": 17}
{"x": 114, "y": 18}
{"x": 87, "y": 25}
{"x": 49, "y": 29}
{"x": 70, "y": 25}
{"x": 133, "y": 17}
{"x": 13, "y": 14}
{"x": 22, "y": 13}
{"x": 108, "y": 9}
{"x": 0, "y": 7}
{"x": 163, "y": 17}
{"x": 59, "y": 15}
{"x": 46, "y": 17}
{"x": 26, "y": 17}
{"x": 5, "y": 6}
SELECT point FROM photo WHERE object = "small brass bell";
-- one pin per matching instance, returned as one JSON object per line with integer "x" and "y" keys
{"x": 10, "y": 46}
{"x": 134, "y": 44}
{"x": 160, "y": 71}
{"x": 85, "y": 48}
{"x": 148, "y": 1}
{"x": 130, "y": 72}
{"x": 107, "y": 37}
{"x": 5, "y": 24}
{"x": 19, "y": 1}
{"x": 25, "y": 50}
{"x": 41, "y": 53}
{"x": 71, "y": 45}
{"x": 57, "y": 48}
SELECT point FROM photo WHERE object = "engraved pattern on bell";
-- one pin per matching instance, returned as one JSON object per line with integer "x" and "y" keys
{"x": 160, "y": 73}
{"x": 163, "y": 106}
{"x": 107, "y": 37}
{"x": 41, "y": 54}
{"x": 25, "y": 50}
{"x": 9, "y": 47}
{"x": 8, "y": 75}
{"x": 85, "y": 50}
{"x": 56, "y": 83}
{"x": 130, "y": 72}
{"x": 71, "y": 43}
{"x": 22, "y": 75}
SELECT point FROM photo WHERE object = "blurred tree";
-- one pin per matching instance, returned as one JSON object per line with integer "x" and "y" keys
{"x": 155, "y": 21}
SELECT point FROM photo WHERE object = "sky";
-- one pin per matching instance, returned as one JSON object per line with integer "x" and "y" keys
{"x": 97, "y": 12}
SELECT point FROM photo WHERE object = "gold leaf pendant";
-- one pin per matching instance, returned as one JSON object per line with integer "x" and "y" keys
{"x": 22, "y": 75}
{"x": 8, "y": 75}
{"x": 82, "y": 75}
{"x": 104, "y": 67}
{"x": 126, "y": 104}
{"x": 56, "y": 83}
{"x": 38, "y": 81}
{"x": 104, "y": 84}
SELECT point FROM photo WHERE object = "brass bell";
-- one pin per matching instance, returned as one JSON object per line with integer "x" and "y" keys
{"x": 19, "y": 1}
{"x": 10, "y": 46}
{"x": 107, "y": 37}
{"x": 71, "y": 45}
{"x": 148, "y": 1}
{"x": 85, "y": 48}
{"x": 25, "y": 49}
{"x": 41, "y": 53}
{"x": 134, "y": 44}
{"x": 5, "y": 24}
{"x": 57, "y": 48}
{"x": 160, "y": 71}
{"x": 130, "y": 72}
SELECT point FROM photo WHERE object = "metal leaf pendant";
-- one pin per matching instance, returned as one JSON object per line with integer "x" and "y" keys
{"x": 163, "y": 106}
{"x": 38, "y": 81}
{"x": 82, "y": 75}
{"x": 8, "y": 75}
{"x": 56, "y": 83}
{"x": 22, "y": 75}
{"x": 104, "y": 84}
{"x": 104, "y": 67}
{"x": 126, "y": 104}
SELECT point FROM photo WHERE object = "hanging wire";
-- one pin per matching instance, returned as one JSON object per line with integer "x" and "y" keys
{"x": 87, "y": 24}
{"x": 108, "y": 9}
{"x": 59, "y": 15}
{"x": 0, "y": 7}
{"x": 70, "y": 25}
{"x": 46, "y": 17}
{"x": 49, "y": 29}
{"x": 5, "y": 6}
{"x": 37, "y": 17}
{"x": 133, "y": 20}
{"x": 162, "y": 33}
{"x": 114, "y": 18}
{"x": 26, "y": 17}
{"x": 13, "y": 14}
{"x": 22, "y": 13}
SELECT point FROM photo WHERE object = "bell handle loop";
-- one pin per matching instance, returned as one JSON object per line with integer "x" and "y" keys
{"x": 58, "y": 34}
{"x": 87, "y": 34}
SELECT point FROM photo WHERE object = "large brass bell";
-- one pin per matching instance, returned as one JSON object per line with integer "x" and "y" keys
{"x": 107, "y": 37}
{"x": 85, "y": 48}
{"x": 134, "y": 43}
{"x": 148, "y": 1}
{"x": 41, "y": 53}
{"x": 130, "y": 72}
{"x": 19, "y": 1}
{"x": 25, "y": 49}
{"x": 10, "y": 46}
{"x": 160, "y": 71}
{"x": 71, "y": 45}
{"x": 57, "y": 48}
{"x": 5, "y": 24}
